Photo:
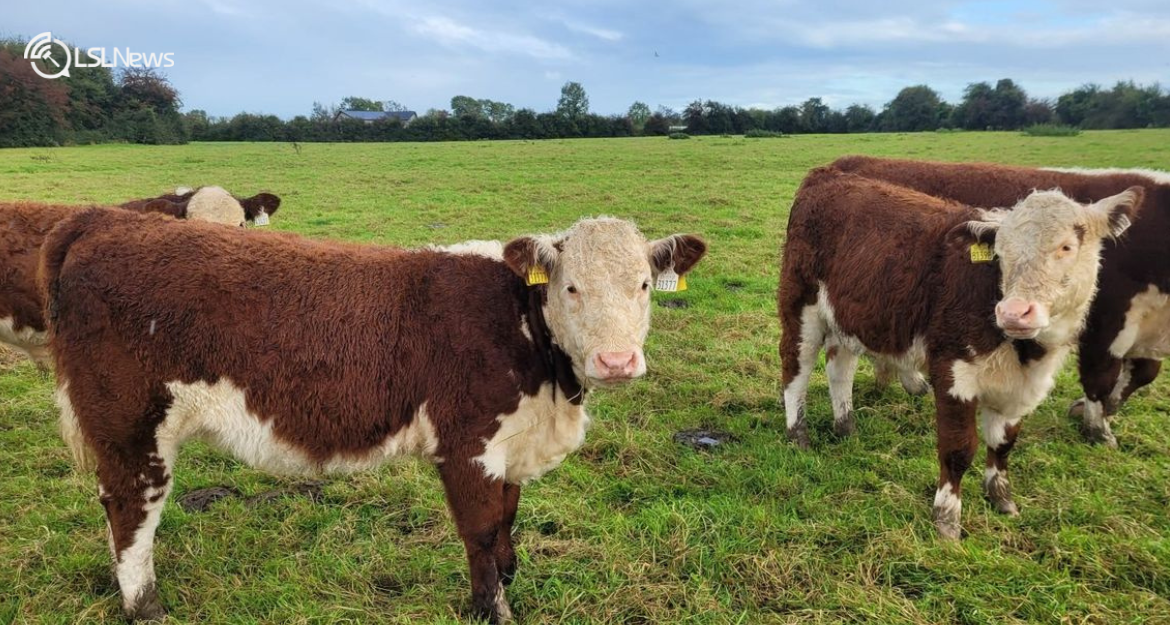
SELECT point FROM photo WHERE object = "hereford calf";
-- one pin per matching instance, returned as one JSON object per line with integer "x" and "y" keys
{"x": 203, "y": 203}
{"x": 299, "y": 356}
{"x": 992, "y": 300}
{"x": 24, "y": 227}
{"x": 1128, "y": 330}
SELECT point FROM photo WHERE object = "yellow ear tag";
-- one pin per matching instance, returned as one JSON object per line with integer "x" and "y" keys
{"x": 536, "y": 275}
{"x": 981, "y": 253}
{"x": 669, "y": 282}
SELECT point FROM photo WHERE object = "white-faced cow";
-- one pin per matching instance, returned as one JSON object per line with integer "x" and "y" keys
{"x": 1128, "y": 330}
{"x": 993, "y": 300}
{"x": 301, "y": 356}
{"x": 206, "y": 204}
{"x": 23, "y": 227}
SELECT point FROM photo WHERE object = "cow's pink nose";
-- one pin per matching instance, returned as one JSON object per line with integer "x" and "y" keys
{"x": 617, "y": 364}
{"x": 1016, "y": 313}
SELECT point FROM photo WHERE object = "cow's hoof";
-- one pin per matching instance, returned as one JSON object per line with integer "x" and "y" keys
{"x": 946, "y": 520}
{"x": 1077, "y": 409}
{"x": 1100, "y": 435}
{"x": 799, "y": 435}
{"x": 916, "y": 385}
{"x": 494, "y": 610}
{"x": 846, "y": 426}
{"x": 947, "y": 531}
{"x": 999, "y": 493}
{"x": 147, "y": 608}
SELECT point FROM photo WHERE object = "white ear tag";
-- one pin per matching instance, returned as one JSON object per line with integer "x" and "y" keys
{"x": 669, "y": 281}
{"x": 261, "y": 219}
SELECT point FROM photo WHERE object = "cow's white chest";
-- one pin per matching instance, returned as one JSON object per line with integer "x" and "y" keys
{"x": 1000, "y": 382}
{"x": 218, "y": 414}
{"x": 26, "y": 339}
{"x": 1146, "y": 333}
{"x": 535, "y": 438}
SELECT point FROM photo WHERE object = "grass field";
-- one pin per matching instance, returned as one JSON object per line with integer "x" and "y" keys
{"x": 635, "y": 528}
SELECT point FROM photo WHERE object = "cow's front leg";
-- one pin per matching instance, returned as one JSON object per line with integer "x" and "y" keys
{"x": 957, "y": 442}
{"x": 999, "y": 433}
{"x": 505, "y": 551}
{"x": 476, "y": 500}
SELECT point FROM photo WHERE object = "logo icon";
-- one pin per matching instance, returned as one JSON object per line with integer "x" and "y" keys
{"x": 40, "y": 48}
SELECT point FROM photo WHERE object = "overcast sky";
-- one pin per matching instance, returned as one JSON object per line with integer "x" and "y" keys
{"x": 279, "y": 56}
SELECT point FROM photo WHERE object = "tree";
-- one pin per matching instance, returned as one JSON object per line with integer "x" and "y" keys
{"x": 656, "y": 124}
{"x": 465, "y": 106}
{"x": 639, "y": 112}
{"x": 695, "y": 120}
{"x": 574, "y": 103}
{"x": 1009, "y": 101}
{"x": 976, "y": 110}
{"x": 321, "y": 114}
{"x": 859, "y": 118}
{"x": 393, "y": 106}
{"x": 814, "y": 115}
{"x": 915, "y": 109}
{"x": 354, "y": 103}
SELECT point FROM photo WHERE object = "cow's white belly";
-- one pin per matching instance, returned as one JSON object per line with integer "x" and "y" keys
{"x": 1146, "y": 333}
{"x": 27, "y": 340}
{"x": 535, "y": 438}
{"x": 1000, "y": 382}
{"x": 218, "y": 414}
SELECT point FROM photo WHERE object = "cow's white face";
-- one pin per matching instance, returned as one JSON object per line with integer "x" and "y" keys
{"x": 600, "y": 274}
{"x": 217, "y": 206}
{"x": 1048, "y": 249}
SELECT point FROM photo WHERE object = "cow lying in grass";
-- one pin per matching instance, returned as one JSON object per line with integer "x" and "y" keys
{"x": 301, "y": 356}
{"x": 993, "y": 300}
{"x": 1128, "y": 330}
{"x": 25, "y": 226}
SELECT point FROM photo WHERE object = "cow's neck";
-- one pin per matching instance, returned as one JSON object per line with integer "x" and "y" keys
{"x": 556, "y": 361}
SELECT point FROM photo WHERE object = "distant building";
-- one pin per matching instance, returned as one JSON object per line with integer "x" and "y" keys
{"x": 372, "y": 116}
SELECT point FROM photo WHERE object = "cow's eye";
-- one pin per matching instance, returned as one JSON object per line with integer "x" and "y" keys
{"x": 1067, "y": 247}
{"x": 646, "y": 285}
{"x": 571, "y": 289}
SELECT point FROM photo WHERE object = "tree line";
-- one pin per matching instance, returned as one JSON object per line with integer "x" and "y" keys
{"x": 94, "y": 104}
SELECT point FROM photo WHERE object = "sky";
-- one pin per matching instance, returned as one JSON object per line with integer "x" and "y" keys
{"x": 279, "y": 56}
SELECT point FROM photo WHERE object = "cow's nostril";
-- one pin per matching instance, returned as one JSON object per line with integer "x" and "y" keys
{"x": 617, "y": 363}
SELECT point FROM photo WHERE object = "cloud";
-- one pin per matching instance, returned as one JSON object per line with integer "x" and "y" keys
{"x": 601, "y": 33}
{"x": 449, "y": 32}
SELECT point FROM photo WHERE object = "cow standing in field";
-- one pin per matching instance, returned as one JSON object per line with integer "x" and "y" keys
{"x": 991, "y": 300}
{"x": 1128, "y": 330}
{"x": 299, "y": 356}
{"x": 23, "y": 228}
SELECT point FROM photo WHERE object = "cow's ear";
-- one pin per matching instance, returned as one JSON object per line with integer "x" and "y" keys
{"x": 970, "y": 233}
{"x": 680, "y": 251}
{"x": 266, "y": 202}
{"x": 166, "y": 207}
{"x": 531, "y": 258}
{"x": 1114, "y": 214}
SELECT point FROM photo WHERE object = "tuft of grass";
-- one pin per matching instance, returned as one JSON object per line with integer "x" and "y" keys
{"x": 635, "y": 527}
{"x": 1051, "y": 130}
{"x": 679, "y": 135}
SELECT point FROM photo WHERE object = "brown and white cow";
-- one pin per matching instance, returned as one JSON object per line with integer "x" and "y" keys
{"x": 24, "y": 228}
{"x": 204, "y": 204}
{"x": 1128, "y": 330}
{"x": 299, "y": 356}
{"x": 993, "y": 300}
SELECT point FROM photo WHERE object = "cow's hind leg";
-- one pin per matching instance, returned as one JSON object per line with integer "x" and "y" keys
{"x": 1141, "y": 372}
{"x": 999, "y": 433}
{"x": 801, "y": 339}
{"x": 1099, "y": 377}
{"x": 841, "y": 365}
{"x": 476, "y": 500}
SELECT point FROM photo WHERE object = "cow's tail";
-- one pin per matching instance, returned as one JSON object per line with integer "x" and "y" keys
{"x": 53, "y": 255}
